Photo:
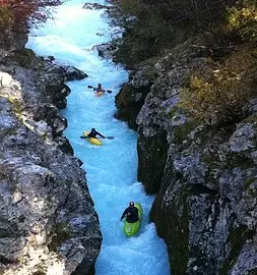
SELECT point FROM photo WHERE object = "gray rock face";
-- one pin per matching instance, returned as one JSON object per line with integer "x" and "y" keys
{"x": 205, "y": 177}
{"x": 48, "y": 224}
{"x": 131, "y": 97}
{"x": 106, "y": 50}
{"x": 96, "y": 6}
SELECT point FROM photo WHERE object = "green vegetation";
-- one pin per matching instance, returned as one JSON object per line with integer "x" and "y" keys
{"x": 179, "y": 233}
{"x": 181, "y": 131}
{"x": 225, "y": 93}
{"x": 62, "y": 232}
{"x": 151, "y": 26}
{"x": 236, "y": 238}
{"x": 222, "y": 31}
{"x": 243, "y": 18}
{"x": 6, "y": 17}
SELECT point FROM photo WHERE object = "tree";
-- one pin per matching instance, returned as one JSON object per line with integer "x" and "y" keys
{"x": 14, "y": 13}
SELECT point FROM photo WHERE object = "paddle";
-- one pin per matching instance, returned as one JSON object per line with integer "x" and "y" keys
{"x": 98, "y": 137}
{"x": 107, "y": 91}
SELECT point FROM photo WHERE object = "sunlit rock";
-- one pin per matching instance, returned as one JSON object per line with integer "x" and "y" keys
{"x": 48, "y": 223}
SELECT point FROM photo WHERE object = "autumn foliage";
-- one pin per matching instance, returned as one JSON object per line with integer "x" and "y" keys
{"x": 222, "y": 98}
{"x": 14, "y": 13}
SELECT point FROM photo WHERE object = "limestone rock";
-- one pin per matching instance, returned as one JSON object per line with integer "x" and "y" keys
{"x": 204, "y": 176}
{"x": 48, "y": 222}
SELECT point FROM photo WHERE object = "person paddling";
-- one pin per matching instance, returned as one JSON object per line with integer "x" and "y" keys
{"x": 99, "y": 89}
{"x": 131, "y": 213}
{"x": 93, "y": 133}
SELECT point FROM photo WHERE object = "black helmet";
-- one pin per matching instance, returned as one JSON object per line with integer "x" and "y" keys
{"x": 93, "y": 129}
{"x": 131, "y": 204}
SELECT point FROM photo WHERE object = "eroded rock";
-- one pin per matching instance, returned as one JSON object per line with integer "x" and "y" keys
{"x": 48, "y": 222}
{"x": 204, "y": 174}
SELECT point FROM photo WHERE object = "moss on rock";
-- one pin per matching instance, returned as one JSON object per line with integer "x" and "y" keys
{"x": 236, "y": 238}
{"x": 62, "y": 233}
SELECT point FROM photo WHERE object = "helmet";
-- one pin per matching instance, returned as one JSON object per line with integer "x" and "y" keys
{"x": 93, "y": 129}
{"x": 131, "y": 203}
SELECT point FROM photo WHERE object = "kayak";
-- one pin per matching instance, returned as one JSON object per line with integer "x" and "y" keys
{"x": 92, "y": 140}
{"x": 131, "y": 229}
{"x": 99, "y": 93}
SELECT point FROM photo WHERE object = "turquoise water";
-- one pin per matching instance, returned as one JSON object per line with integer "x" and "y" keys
{"x": 111, "y": 168}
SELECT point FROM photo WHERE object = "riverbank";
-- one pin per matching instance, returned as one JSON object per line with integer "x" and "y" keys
{"x": 49, "y": 225}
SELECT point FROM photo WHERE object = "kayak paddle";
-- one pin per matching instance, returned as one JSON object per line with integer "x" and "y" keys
{"x": 98, "y": 137}
{"x": 91, "y": 87}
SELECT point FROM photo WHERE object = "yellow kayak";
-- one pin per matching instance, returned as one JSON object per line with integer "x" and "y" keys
{"x": 99, "y": 93}
{"x": 92, "y": 140}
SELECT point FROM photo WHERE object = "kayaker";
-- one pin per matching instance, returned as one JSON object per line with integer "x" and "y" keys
{"x": 93, "y": 133}
{"x": 131, "y": 213}
{"x": 99, "y": 89}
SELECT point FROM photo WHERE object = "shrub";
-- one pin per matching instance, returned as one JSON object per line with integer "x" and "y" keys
{"x": 6, "y": 17}
{"x": 243, "y": 18}
{"x": 6, "y": 23}
{"x": 145, "y": 32}
{"x": 222, "y": 99}
{"x": 149, "y": 26}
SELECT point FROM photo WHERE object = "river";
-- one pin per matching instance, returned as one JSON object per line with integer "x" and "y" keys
{"x": 70, "y": 36}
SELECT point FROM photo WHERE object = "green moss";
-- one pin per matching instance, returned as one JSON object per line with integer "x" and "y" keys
{"x": 211, "y": 160}
{"x": 181, "y": 131}
{"x": 173, "y": 111}
{"x": 250, "y": 119}
{"x": 248, "y": 182}
{"x": 6, "y": 18}
{"x": 62, "y": 233}
{"x": 3, "y": 176}
{"x": 29, "y": 52}
{"x": 237, "y": 160}
{"x": 150, "y": 61}
{"x": 151, "y": 74}
{"x": 179, "y": 234}
{"x": 237, "y": 238}
{"x": 44, "y": 136}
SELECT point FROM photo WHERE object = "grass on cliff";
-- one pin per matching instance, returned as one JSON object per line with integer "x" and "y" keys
{"x": 224, "y": 94}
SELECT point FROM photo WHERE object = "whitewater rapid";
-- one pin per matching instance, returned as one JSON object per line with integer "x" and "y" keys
{"x": 70, "y": 36}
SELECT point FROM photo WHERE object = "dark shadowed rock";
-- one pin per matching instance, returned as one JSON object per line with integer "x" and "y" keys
{"x": 132, "y": 95}
{"x": 73, "y": 73}
{"x": 106, "y": 50}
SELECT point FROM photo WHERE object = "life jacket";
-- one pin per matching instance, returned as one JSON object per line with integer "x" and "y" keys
{"x": 133, "y": 217}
